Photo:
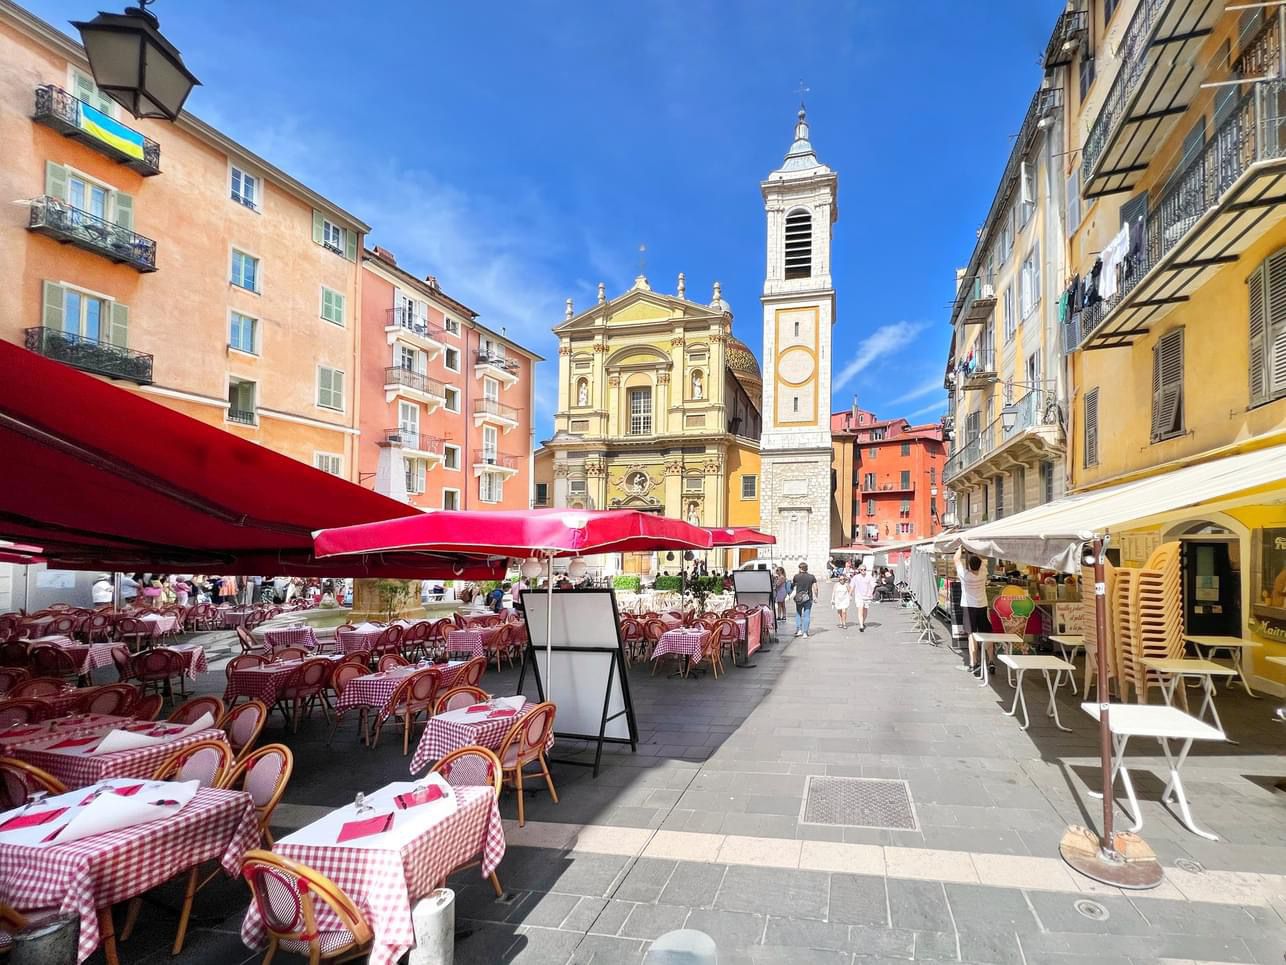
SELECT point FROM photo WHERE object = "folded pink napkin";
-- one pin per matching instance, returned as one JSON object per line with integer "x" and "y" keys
{"x": 75, "y": 742}
{"x": 479, "y": 708}
{"x": 128, "y": 790}
{"x": 32, "y": 820}
{"x": 507, "y": 712}
{"x": 413, "y": 798}
{"x": 23, "y": 732}
{"x": 363, "y": 829}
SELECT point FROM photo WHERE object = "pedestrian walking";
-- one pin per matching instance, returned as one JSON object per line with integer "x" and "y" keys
{"x": 841, "y": 600}
{"x": 805, "y": 586}
{"x": 863, "y": 593}
{"x": 780, "y": 590}
{"x": 973, "y": 601}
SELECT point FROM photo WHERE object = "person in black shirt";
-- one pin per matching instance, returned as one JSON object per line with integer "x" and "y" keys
{"x": 804, "y": 585}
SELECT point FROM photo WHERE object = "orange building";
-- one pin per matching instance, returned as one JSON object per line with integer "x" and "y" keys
{"x": 172, "y": 259}
{"x": 446, "y": 402}
{"x": 888, "y": 474}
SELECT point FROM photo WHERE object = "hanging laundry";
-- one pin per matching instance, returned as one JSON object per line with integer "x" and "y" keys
{"x": 1112, "y": 256}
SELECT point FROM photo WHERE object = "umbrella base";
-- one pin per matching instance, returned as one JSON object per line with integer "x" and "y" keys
{"x": 1132, "y": 865}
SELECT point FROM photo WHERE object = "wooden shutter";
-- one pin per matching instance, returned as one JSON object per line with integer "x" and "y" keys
{"x": 55, "y": 181}
{"x": 1258, "y": 336}
{"x": 118, "y": 327}
{"x": 1275, "y": 324}
{"x": 1091, "y": 427}
{"x": 317, "y": 227}
{"x": 52, "y": 312}
{"x": 125, "y": 210}
{"x": 1167, "y": 385}
{"x": 350, "y": 244}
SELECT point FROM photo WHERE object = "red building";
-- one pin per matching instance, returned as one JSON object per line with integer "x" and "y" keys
{"x": 888, "y": 475}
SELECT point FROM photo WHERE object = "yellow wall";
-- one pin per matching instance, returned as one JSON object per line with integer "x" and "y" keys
{"x": 1256, "y": 517}
{"x": 743, "y": 460}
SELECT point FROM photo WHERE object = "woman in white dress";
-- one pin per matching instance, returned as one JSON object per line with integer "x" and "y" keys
{"x": 841, "y": 600}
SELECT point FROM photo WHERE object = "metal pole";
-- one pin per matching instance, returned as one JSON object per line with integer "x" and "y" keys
{"x": 1106, "y": 837}
{"x": 549, "y": 628}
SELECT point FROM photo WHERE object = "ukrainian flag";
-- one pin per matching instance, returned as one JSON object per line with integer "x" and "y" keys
{"x": 109, "y": 131}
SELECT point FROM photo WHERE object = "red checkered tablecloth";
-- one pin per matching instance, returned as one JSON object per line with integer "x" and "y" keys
{"x": 161, "y": 622}
{"x": 386, "y": 883}
{"x": 79, "y": 769}
{"x": 19, "y": 734}
{"x": 374, "y": 691}
{"x": 259, "y": 683}
{"x": 683, "y": 641}
{"x": 101, "y": 870}
{"x": 458, "y": 728}
{"x": 350, "y": 641}
{"x": 472, "y": 642}
{"x": 291, "y": 637}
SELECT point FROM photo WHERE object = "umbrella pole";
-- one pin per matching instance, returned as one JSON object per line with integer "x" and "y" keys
{"x": 1123, "y": 860}
{"x": 549, "y": 627}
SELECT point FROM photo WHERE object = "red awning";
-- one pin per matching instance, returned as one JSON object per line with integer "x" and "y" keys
{"x": 102, "y": 478}
{"x": 740, "y": 536}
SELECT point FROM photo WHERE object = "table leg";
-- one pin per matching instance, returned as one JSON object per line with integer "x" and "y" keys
{"x": 1175, "y": 784}
{"x": 1071, "y": 674}
{"x": 1019, "y": 700}
{"x": 1168, "y": 684}
{"x": 107, "y": 935}
{"x": 1237, "y": 655}
{"x": 1118, "y": 760}
{"x": 1053, "y": 704}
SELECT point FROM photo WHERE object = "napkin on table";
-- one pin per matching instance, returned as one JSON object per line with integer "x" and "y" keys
{"x": 363, "y": 829}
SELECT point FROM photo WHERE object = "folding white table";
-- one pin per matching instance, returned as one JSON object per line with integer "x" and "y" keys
{"x": 1173, "y": 670}
{"x": 1163, "y": 724}
{"x": 1021, "y": 663}
{"x": 1068, "y": 644}
{"x": 1236, "y": 647}
{"x": 1009, "y": 640}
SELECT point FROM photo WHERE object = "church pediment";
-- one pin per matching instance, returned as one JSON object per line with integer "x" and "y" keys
{"x": 637, "y": 305}
{"x": 637, "y": 355}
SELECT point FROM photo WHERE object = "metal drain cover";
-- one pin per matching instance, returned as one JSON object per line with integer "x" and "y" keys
{"x": 858, "y": 802}
{"x": 1091, "y": 910}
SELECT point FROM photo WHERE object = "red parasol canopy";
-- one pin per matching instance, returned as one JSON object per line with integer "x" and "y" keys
{"x": 101, "y": 478}
{"x": 518, "y": 532}
{"x": 740, "y": 536}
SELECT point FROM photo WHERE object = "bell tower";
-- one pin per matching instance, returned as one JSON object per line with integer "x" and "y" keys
{"x": 799, "y": 311}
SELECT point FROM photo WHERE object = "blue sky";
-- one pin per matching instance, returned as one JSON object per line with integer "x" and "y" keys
{"x": 522, "y": 152}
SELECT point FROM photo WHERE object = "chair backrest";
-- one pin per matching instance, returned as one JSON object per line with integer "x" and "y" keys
{"x": 50, "y": 661}
{"x": 205, "y": 761}
{"x": 286, "y": 894}
{"x": 459, "y": 621}
{"x": 248, "y": 643}
{"x": 424, "y": 687}
{"x": 527, "y": 738}
{"x": 115, "y": 699}
{"x": 360, "y": 657}
{"x": 121, "y": 660}
{"x": 388, "y": 639}
{"x": 23, "y": 710}
{"x": 38, "y": 687}
{"x": 153, "y": 664}
{"x": 471, "y": 673}
{"x": 98, "y": 625}
{"x": 345, "y": 672}
{"x": 14, "y": 654}
{"x": 653, "y": 629}
{"x": 10, "y": 677}
{"x": 312, "y": 674}
{"x": 391, "y": 660}
{"x": 63, "y": 624}
{"x": 471, "y": 766}
{"x": 458, "y": 697}
{"x": 344, "y": 626}
{"x": 290, "y": 653}
{"x": 725, "y": 630}
{"x": 193, "y": 709}
{"x": 244, "y": 662}
{"x": 131, "y": 627}
{"x": 263, "y": 775}
{"x": 439, "y": 630}
{"x": 18, "y": 779}
{"x": 243, "y": 722}
{"x": 148, "y": 706}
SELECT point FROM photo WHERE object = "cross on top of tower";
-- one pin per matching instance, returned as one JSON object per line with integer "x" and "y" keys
{"x": 801, "y": 91}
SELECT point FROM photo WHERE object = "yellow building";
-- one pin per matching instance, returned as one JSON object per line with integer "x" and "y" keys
{"x": 1176, "y": 167}
{"x": 658, "y": 410}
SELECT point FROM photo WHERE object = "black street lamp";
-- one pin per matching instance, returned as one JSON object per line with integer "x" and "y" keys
{"x": 134, "y": 64}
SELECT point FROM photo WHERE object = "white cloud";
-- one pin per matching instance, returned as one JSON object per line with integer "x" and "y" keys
{"x": 920, "y": 391}
{"x": 934, "y": 407}
{"x": 885, "y": 340}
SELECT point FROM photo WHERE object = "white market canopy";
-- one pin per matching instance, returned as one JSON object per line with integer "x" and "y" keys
{"x": 1052, "y": 535}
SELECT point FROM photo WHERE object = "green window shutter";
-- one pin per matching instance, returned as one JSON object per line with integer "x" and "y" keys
{"x": 52, "y": 313}
{"x": 338, "y": 302}
{"x": 85, "y": 89}
{"x": 1258, "y": 338}
{"x": 1275, "y": 325}
{"x": 350, "y": 244}
{"x": 118, "y": 330}
{"x": 125, "y": 210}
{"x": 317, "y": 227}
{"x": 1167, "y": 385}
{"x": 55, "y": 181}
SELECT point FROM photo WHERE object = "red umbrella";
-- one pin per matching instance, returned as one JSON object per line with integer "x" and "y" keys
{"x": 740, "y": 536}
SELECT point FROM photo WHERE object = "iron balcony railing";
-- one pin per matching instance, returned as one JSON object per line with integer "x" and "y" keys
{"x": 244, "y": 416}
{"x": 60, "y": 221}
{"x": 1261, "y": 56}
{"x": 1071, "y": 26}
{"x": 72, "y": 117}
{"x": 980, "y": 301}
{"x": 499, "y": 361}
{"x": 492, "y": 407}
{"x": 90, "y": 354}
{"x": 1030, "y": 413}
{"x": 1132, "y": 53}
{"x": 1255, "y": 131}
{"x": 977, "y": 367}
{"x": 411, "y": 439}
{"x": 401, "y": 317}
{"x": 496, "y": 460}
{"x": 416, "y": 381}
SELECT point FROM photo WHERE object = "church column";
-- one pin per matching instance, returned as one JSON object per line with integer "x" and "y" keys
{"x": 661, "y": 414}
{"x": 672, "y": 498}
{"x": 566, "y": 393}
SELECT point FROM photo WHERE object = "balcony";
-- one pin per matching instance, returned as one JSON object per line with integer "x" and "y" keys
{"x": 417, "y": 445}
{"x": 494, "y": 412}
{"x": 1069, "y": 33}
{"x": 888, "y": 489}
{"x": 1215, "y": 208}
{"x": 980, "y": 302}
{"x": 977, "y": 370}
{"x": 405, "y": 325}
{"x": 489, "y": 364}
{"x": 74, "y": 118}
{"x": 413, "y": 385}
{"x": 244, "y": 416}
{"x": 1160, "y": 73}
{"x": 71, "y": 226}
{"x": 91, "y": 355}
{"x": 1036, "y": 435}
{"x": 485, "y": 460}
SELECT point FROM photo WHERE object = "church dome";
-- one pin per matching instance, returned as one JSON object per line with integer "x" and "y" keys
{"x": 743, "y": 364}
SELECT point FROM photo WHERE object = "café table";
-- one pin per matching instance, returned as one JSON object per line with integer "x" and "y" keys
{"x": 302, "y": 636}
{"x": 16, "y": 735}
{"x": 997, "y": 640}
{"x": 1236, "y": 647}
{"x": 265, "y": 682}
{"x": 88, "y": 876}
{"x": 76, "y": 766}
{"x": 1164, "y": 724}
{"x": 1173, "y": 670}
{"x": 1068, "y": 644}
{"x": 375, "y": 691}
{"x": 361, "y": 637}
{"x": 161, "y": 623}
{"x": 1020, "y": 664}
{"x": 686, "y": 642}
{"x": 471, "y": 642}
{"x": 482, "y": 724}
{"x": 385, "y": 874}
{"x": 234, "y": 616}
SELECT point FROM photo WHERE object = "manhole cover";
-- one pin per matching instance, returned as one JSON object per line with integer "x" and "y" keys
{"x": 858, "y": 802}
{"x": 1091, "y": 910}
{"x": 1190, "y": 866}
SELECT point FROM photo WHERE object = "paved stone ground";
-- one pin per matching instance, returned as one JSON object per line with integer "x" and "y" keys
{"x": 701, "y": 827}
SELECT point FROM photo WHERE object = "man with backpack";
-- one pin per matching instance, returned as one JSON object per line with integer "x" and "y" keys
{"x": 804, "y": 585}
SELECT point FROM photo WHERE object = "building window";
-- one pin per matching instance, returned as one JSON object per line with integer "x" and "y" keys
{"x": 414, "y": 475}
{"x": 1167, "y": 386}
{"x": 904, "y": 529}
{"x": 799, "y": 245}
{"x": 1007, "y": 312}
{"x": 245, "y": 188}
{"x": 870, "y": 507}
{"x": 407, "y": 359}
{"x": 906, "y": 448}
{"x": 1029, "y": 292}
{"x": 86, "y": 90}
{"x": 89, "y": 316}
{"x": 872, "y": 452}
{"x": 577, "y": 487}
{"x": 1020, "y": 489}
{"x": 905, "y": 479}
{"x": 491, "y": 487}
{"x": 1090, "y": 441}
{"x": 1109, "y": 8}
{"x": 241, "y": 333}
{"x": 1027, "y": 187}
{"x": 1047, "y": 482}
{"x": 451, "y": 457}
{"x": 241, "y": 401}
{"x": 868, "y": 480}
{"x": 933, "y": 475}
{"x": 749, "y": 487}
{"x": 904, "y": 509}
{"x": 1086, "y": 76}
{"x": 1073, "y": 201}
{"x": 640, "y": 401}
{"x": 451, "y": 359}
{"x": 337, "y": 238}
{"x": 450, "y": 499}
{"x": 542, "y": 494}
{"x": 330, "y": 462}
{"x": 452, "y": 325}
{"x": 245, "y": 271}
{"x": 452, "y": 399}
{"x": 330, "y": 388}
{"x": 693, "y": 484}
{"x": 986, "y": 503}
{"x": 332, "y": 306}
{"x": 1267, "y": 288}
{"x": 408, "y": 420}
{"x": 795, "y": 404}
